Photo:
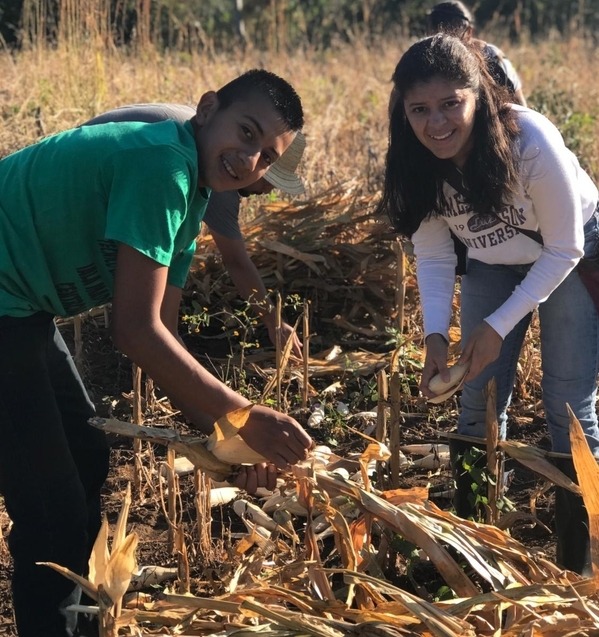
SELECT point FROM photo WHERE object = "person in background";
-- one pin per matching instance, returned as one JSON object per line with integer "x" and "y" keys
{"x": 222, "y": 213}
{"x": 110, "y": 214}
{"x": 454, "y": 18}
{"x": 462, "y": 159}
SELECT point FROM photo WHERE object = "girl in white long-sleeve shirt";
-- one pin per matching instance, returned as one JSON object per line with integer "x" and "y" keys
{"x": 525, "y": 209}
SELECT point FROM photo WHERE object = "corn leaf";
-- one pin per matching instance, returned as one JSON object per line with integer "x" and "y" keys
{"x": 100, "y": 555}
{"x": 120, "y": 569}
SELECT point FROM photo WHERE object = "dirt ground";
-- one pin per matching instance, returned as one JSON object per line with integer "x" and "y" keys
{"x": 108, "y": 376}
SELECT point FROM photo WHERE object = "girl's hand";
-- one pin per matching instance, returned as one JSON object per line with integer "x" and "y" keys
{"x": 483, "y": 347}
{"x": 434, "y": 363}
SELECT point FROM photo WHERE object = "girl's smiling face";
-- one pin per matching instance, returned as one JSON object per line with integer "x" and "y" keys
{"x": 441, "y": 114}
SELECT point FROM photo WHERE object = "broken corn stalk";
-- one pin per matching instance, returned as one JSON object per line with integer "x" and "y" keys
{"x": 215, "y": 456}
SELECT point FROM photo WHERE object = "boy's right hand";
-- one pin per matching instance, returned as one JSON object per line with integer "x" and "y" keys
{"x": 278, "y": 437}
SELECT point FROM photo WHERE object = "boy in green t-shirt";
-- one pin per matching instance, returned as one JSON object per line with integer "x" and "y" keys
{"x": 110, "y": 213}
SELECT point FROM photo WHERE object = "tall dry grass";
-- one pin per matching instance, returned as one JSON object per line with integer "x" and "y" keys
{"x": 345, "y": 90}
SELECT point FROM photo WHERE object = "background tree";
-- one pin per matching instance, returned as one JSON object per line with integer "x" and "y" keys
{"x": 276, "y": 25}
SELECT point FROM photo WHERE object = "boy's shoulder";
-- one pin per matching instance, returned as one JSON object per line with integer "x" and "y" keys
{"x": 135, "y": 135}
{"x": 148, "y": 113}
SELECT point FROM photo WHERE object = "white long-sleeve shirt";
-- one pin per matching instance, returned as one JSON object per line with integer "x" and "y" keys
{"x": 555, "y": 198}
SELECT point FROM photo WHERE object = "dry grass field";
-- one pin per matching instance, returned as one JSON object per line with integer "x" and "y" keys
{"x": 345, "y": 93}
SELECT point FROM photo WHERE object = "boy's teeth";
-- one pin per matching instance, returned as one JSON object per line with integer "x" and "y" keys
{"x": 229, "y": 168}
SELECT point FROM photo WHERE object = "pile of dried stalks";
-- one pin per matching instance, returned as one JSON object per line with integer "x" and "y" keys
{"x": 330, "y": 250}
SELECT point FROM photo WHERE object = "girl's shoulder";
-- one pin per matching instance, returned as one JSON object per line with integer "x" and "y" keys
{"x": 536, "y": 131}
{"x": 531, "y": 121}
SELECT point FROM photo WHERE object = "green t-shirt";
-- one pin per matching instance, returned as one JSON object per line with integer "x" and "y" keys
{"x": 68, "y": 200}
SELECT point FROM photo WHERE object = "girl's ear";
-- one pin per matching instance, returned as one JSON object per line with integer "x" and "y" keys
{"x": 207, "y": 106}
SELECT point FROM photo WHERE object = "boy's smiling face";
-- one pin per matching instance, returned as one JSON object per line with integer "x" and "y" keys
{"x": 238, "y": 144}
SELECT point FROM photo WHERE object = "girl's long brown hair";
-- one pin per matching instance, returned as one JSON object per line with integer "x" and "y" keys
{"x": 413, "y": 186}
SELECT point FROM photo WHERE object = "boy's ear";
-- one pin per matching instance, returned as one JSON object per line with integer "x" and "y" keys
{"x": 207, "y": 106}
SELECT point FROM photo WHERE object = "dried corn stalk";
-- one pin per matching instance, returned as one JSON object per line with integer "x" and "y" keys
{"x": 110, "y": 570}
{"x": 216, "y": 456}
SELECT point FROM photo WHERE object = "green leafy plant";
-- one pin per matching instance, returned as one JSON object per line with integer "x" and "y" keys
{"x": 473, "y": 462}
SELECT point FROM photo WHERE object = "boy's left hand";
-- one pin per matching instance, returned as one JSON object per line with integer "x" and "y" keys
{"x": 252, "y": 477}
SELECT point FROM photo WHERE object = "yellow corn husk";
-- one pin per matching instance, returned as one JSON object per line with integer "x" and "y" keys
{"x": 214, "y": 456}
{"x": 588, "y": 476}
{"x": 192, "y": 447}
{"x": 99, "y": 556}
{"x": 226, "y": 443}
{"x": 235, "y": 450}
{"x": 120, "y": 568}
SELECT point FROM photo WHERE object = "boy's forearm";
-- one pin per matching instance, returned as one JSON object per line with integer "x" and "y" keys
{"x": 144, "y": 317}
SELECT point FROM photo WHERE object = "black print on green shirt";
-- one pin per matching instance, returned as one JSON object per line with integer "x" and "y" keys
{"x": 70, "y": 298}
{"x": 90, "y": 280}
{"x": 93, "y": 284}
{"x": 95, "y": 288}
{"x": 109, "y": 251}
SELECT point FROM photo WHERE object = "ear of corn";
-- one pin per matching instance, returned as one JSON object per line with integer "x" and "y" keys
{"x": 235, "y": 450}
{"x": 446, "y": 389}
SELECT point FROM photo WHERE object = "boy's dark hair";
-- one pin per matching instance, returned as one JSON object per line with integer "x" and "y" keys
{"x": 414, "y": 176}
{"x": 282, "y": 95}
{"x": 449, "y": 17}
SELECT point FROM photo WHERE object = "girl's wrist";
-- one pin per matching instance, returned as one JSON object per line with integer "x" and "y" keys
{"x": 436, "y": 336}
